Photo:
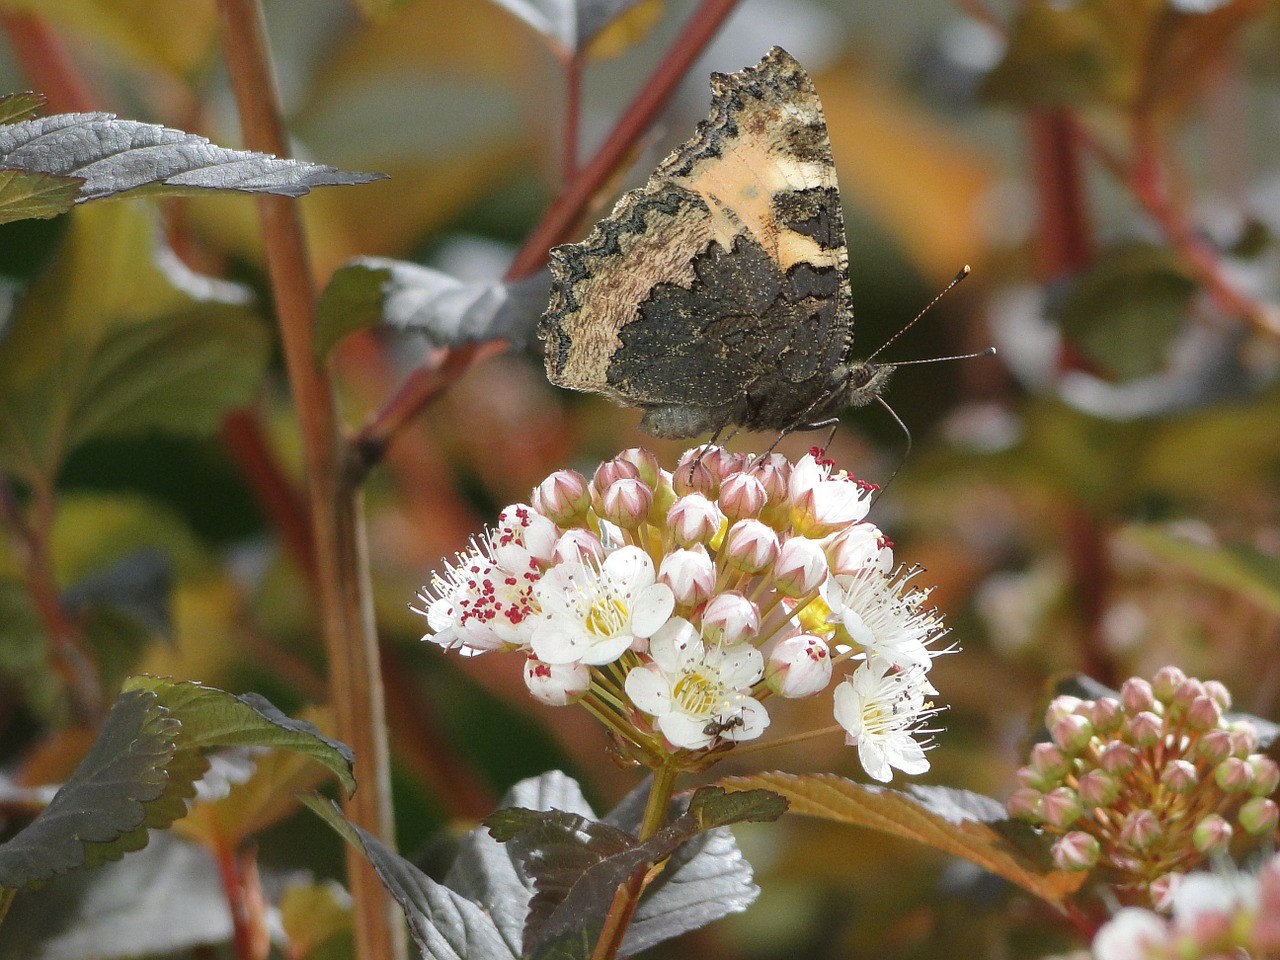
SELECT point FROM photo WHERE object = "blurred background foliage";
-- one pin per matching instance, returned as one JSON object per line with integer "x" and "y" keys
{"x": 1103, "y": 496}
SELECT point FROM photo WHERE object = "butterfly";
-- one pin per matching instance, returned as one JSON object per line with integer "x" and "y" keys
{"x": 717, "y": 295}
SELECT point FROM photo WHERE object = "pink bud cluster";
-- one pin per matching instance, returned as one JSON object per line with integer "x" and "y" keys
{"x": 673, "y": 604}
{"x": 1148, "y": 784}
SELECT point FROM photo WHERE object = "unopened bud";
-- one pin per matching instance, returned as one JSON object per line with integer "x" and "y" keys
{"x": 645, "y": 463}
{"x": 694, "y": 477}
{"x": 1136, "y": 695}
{"x": 750, "y": 546}
{"x": 1106, "y": 715}
{"x": 626, "y": 502}
{"x": 1244, "y": 737}
{"x": 693, "y": 519}
{"x": 1059, "y": 708}
{"x": 1204, "y": 714}
{"x": 729, "y": 618}
{"x": 563, "y": 497}
{"x": 1165, "y": 684}
{"x": 1266, "y": 775}
{"x": 1213, "y": 746}
{"x": 1233, "y": 775}
{"x": 1220, "y": 694}
{"x": 1049, "y": 762}
{"x": 1061, "y": 807}
{"x": 1179, "y": 776}
{"x": 741, "y": 496}
{"x": 721, "y": 462}
{"x": 609, "y": 472}
{"x": 1097, "y": 788}
{"x": 1076, "y": 851}
{"x": 1140, "y": 829}
{"x": 1117, "y": 758}
{"x": 858, "y": 547}
{"x": 799, "y": 666}
{"x": 1145, "y": 730}
{"x": 773, "y": 472}
{"x": 690, "y": 574}
{"x": 801, "y": 567}
{"x": 1071, "y": 733}
{"x": 1026, "y": 803}
{"x": 1259, "y": 815}
{"x": 1212, "y": 835}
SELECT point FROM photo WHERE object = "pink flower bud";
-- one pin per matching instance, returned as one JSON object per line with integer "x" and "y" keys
{"x": 858, "y": 547}
{"x": 799, "y": 666}
{"x": 577, "y": 545}
{"x": 1076, "y": 851}
{"x": 1179, "y": 776}
{"x": 1026, "y": 803}
{"x": 645, "y": 462}
{"x": 741, "y": 496}
{"x": 1097, "y": 788}
{"x": 1244, "y": 737}
{"x": 1266, "y": 775}
{"x": 1259, "y": 816}
{"x": 730, "y": 618}
{"x": 1140, "y": 829}
{"x": 801, "y": 567}
{"x": 694, "y": 519}
{"x": 1233, "y": 775}
{"x": 1117, "y": 758}
{"x": 750, "y": 546}
{"x": 1212, "y": 835}
{"x": 1220, "y": 694}
{"x": 1187, "y": 692}
{"x": 556, "y": 685}
{"x": 1164, "y": 685}
{"x": 1106, "y": 715}
{"x": 1060, "y": 708}
{"x": 1048, "y": 760}
{"x": 1136, "y": 695}
{"x": 1213, "y": 746}
{"x": 1072, "y": 733}
{"x": 1030, "y": 777}
{"x": 1061, "y": 807}
{"x": 563, "y": 497}
{"x": 1204, "y": 714}
{"x": 691, "y": 475}
{"x": 626, "y": 502}
{"x": 690, "y": 574}
{"x": 1144, "y": 730}
{"x": 721, "y": 462}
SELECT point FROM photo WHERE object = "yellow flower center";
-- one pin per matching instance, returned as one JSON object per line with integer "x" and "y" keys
{"x": 607, "y": 616}
{"x": 698, "y": 695}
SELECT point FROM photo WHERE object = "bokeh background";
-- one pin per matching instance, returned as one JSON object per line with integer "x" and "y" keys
{"x": 1102, "y": 497}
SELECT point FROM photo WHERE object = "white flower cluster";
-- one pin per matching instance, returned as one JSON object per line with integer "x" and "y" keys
{"x": 675, "y": 604}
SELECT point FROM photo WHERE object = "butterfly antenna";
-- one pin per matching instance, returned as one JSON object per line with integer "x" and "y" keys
{"x": 964, "y": 272}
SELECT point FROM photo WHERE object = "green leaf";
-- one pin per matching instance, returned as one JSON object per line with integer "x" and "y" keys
{"x": 416, "y": 299}
{"x": 118, "y": 337}
{"x": 1124, "y": 311}
{"x": 113, "y": 156}
{"x": 215, "y": 718}
{"x": 135, "y": 777}
{"x": 36, "y": 196}
{"x": 19, "y": 106}
{"x": 957, "y": 822}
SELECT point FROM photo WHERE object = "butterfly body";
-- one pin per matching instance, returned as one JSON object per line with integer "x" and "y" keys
{"x": 717, "y": 295}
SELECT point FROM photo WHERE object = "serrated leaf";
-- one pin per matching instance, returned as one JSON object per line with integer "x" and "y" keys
{"x": 416, "y": 299}
{"x": 958, "y": 822}
{"x": 1125, "y": 310}
{"x": 119, "y": 337}
{"x": 215, "y": 718}
{"x": 113, "y": 156}
{"x": 128, "y": 782}
{"x": 36, "y": 196}
{"x": 443, "y": 924}
{"x": 570, "y": 23}
{"x": 20, "y": 106}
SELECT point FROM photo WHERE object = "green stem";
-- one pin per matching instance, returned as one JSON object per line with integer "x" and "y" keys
{"x": 655, "y": 810}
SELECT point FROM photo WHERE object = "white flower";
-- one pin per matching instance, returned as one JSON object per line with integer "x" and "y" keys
{"x": 698, "y": 693}
{"x": 820, "y": 502}
{"x": 858, "y": 547}
{"x": 593, "y": 614}
{"x": 477, "y": 604}
{"x": 880, "y": 711}
{"x": 1132, "y": 934}
{"x": 521, "y": 526}
{"x": 883, "y": 619}
{"x": 556, "y": 684}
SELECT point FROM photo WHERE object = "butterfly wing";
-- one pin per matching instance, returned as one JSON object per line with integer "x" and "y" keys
{"x": 722, "y": 283}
